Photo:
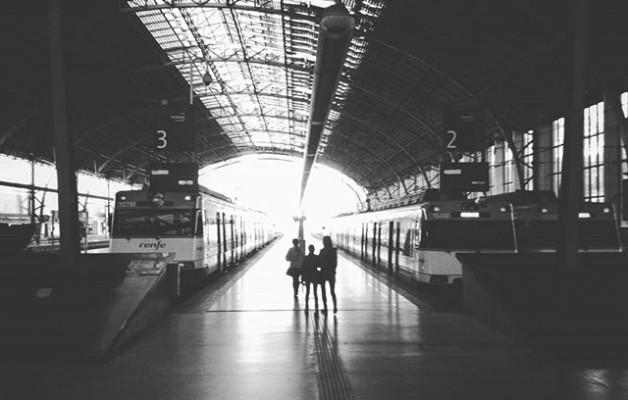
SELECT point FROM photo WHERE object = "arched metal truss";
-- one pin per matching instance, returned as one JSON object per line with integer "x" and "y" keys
{"x": 407, "y": 61}
{"x": 260, "y": 56}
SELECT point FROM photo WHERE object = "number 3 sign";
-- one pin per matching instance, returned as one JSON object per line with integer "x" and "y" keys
{"x": 174, "y": 129}
{"x": 162, "y": 139}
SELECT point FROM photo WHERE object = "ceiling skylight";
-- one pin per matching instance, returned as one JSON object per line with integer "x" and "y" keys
{"x": 260, "y": 56}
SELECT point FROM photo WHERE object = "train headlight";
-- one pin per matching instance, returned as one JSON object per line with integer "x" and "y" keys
{"x": 606, "y": 210}
{"x": 543, "y": 210}
{"x": 122, "y": 198}
{"x": 435, "y": 208}
{"x": 470, "y": 214}
{"x": 584, "y": 215}
{"x": 187, "y": 197}
{"x": 503, "y": 208}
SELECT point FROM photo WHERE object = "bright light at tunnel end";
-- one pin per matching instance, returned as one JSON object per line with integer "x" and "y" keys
{"x": 272, "y": 184}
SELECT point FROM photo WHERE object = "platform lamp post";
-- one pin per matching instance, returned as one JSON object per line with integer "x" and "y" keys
{"x": 300, "y": 219}
{"x": 207, "y": 80}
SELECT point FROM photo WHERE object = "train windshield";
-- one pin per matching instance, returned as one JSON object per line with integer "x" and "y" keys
{"x": 462, "y": 235}
{"x": 153, "y": 222}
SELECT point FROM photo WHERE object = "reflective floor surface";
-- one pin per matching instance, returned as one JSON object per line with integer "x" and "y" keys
{"x": 250, "y": 339}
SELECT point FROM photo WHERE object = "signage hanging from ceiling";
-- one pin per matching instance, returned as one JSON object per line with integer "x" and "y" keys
{"x": 174, "y": 129}
{"x": 464, "y": 128}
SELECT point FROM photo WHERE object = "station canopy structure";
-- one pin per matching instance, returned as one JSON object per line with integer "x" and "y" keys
{"x": 250, "y": 64}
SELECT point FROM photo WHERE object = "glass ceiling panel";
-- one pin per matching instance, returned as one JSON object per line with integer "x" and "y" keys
{"x": 260, "y": 55}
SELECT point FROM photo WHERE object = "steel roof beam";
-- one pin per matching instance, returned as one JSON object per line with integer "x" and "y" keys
{"x": 248, "y": 67}
{"x": 287, "y": 10}
{"x": 125, "y": 165}
{"x": 363, "y": 177}
{"x": 200, "y": 42}
{"x": 286, "y": 65}
{"x": 374, "y": 154}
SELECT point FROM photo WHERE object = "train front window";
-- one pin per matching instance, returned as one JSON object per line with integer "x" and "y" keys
{"x": 463, "y": 235}
{"x": 153, "y": 222}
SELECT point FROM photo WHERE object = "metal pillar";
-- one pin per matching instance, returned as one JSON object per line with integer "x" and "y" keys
{"x": 66, "y": 176}
{"x": 31, "y": 202}
{"x": 571, "y": 188}
{"x": 612, "y": 152}
{"x": 300, "y": 233}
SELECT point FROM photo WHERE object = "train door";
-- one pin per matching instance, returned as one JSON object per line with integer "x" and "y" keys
{"x": 236, "y": 235}
{"x": 365, "y": 241}
{"x": 379, "y": 244}
{"x": 362, "y": 241}
{"x": 199, "y": 238}
{"x": 224, "y": 241}
{"x": 397, "y": 247}
{"x": 374, "y": 244}
{"x": 391, "y": 238}
{"x": 232, "y": 236}
{"x": 242, "y": 238}
{"x": 258, "y": 235}
{"x": 220, "y": 241}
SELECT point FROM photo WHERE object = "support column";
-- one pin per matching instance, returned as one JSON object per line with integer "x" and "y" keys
{"x": 571, "y": 188}
{"x": 543, "y": 158}
{"x": 612, "y": 153}
{"x": 32, "y": 200}
{"x": 300, "y": 233}
{"x": 64, "y": 159}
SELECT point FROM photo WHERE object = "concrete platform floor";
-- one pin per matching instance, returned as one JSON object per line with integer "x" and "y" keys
{"x": 245, "y": 337}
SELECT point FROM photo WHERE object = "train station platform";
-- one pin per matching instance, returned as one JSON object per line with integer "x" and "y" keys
{"x": 246, "y": 337}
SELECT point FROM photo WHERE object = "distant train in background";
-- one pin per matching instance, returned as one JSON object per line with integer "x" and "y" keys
{"x": 205, "y": 229}
{"x": 418, "y": 242}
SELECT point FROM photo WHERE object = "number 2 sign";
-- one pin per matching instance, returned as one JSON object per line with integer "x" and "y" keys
{"x": 464, "y": 128}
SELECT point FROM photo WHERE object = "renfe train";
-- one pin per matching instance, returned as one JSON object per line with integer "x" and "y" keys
{"x": 206, "y": 230}
{"x": 418, "y": 242}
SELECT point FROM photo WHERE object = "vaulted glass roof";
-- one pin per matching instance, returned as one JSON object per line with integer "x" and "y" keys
{"x": 259, "y": 56}
{"x": 408, "y": 61}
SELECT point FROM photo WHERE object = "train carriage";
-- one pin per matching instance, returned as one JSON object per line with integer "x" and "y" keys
{"x": 206, "y": 231}
{"x": 418, "y": 242}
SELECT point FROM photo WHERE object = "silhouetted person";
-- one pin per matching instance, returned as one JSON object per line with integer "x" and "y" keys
{"x": 328, "y": 260}
{"x": 295, "y": 256}
{"x": 309, "y": 275}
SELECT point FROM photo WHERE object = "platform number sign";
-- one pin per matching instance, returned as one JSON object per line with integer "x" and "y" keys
{"x": 174, "y": 129}
{"x": 464, "y": 128}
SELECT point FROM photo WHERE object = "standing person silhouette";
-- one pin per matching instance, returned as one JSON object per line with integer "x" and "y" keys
{"x": 328, "y": 260}
{"x": 309, "y": 275}
{"x": 295, "y": 256}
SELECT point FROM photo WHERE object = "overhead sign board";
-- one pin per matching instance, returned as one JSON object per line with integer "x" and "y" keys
{"x": 464, "y": 128}
{"x": 174, "y": 129}
{"x": 177, "y": 177}
{"x": 464, "y": 177}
